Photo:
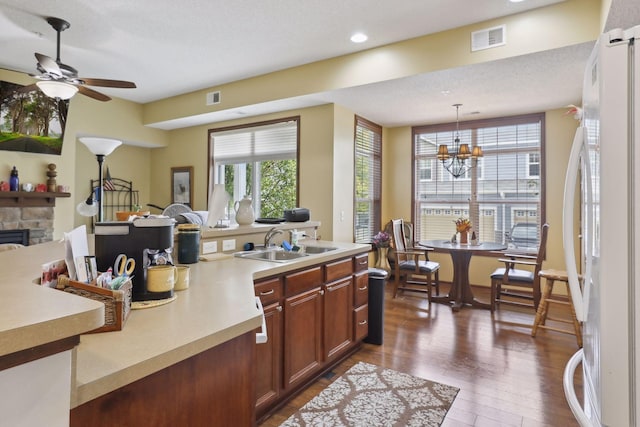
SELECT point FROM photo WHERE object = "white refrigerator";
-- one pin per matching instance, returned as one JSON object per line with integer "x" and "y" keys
{"x": 605, "y": 161}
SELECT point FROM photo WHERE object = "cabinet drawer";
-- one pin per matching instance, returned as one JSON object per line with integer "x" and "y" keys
{"x": 361, "y": 322}
{"x": 361, "y": 290}
{"x": 296, "y": 283}
{"x": 339, "y": 269}
{"x": 361, "y": 262}
{"x": 269, "y": 290}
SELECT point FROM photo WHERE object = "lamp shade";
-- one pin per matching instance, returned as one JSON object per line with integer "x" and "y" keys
{"x": 54, "y": 89}
{"x": 100, "y": 146}
{"x": 477, "y": 152}
{"x": 88, "y": 207}
{"x": 443, "y": 152}
{"x": 464, "y": 152}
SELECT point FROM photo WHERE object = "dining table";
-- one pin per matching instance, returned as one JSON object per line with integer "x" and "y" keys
{"x": 460, "y": 294}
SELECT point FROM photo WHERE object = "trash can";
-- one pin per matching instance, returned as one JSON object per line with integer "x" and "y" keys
{"x": 377, "y": 280}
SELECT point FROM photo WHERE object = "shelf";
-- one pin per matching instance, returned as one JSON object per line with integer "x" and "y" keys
{"x": 25, "y": 199}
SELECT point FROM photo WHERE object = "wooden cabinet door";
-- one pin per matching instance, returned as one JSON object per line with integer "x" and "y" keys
{"x": 338, "y": 318}
{"x": 269, "y": 360}
{"x": 303, "y": 333}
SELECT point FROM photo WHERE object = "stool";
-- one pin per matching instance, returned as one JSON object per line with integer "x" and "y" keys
{"x": 551, "y": 277}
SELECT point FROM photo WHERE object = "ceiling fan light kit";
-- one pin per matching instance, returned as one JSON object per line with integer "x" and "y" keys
{"x": 58, "y": 90}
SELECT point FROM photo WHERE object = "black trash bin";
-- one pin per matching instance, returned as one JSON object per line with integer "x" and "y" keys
{"x": 377, "y": 280}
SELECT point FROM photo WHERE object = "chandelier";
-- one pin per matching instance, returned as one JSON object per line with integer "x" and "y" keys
{"x": 460, "y": 159}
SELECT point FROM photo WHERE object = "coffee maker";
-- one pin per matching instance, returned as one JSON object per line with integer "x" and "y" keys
{"x": 149, "y": 241}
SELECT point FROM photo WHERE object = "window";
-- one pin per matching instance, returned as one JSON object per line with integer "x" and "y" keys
{"x": 504, "y": 189}
{"x": 533, "y": 165}
{"x": 368, "y": 180}
{"x": 259, "y": 160}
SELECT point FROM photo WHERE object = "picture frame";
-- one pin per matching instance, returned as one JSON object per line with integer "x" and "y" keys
{"x": 182, "y": 185}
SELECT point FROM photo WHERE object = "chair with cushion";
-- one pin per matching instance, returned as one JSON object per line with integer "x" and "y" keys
{"x": 520, "y": 285}
{"x": 411, "y": 264}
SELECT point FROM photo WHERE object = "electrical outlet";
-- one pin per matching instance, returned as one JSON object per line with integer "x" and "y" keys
{"x": 209, "y": 247}
{"x": 229, "y": 245}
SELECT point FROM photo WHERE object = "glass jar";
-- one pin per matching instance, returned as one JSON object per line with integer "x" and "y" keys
{"x": 188, "y": 243}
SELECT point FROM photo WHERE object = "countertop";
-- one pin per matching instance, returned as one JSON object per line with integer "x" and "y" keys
{"x": 219, "y": 305}
{"x": 32, "y": 315}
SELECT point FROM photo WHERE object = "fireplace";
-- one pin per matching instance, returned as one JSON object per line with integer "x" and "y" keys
{"x": 15, "y": 236}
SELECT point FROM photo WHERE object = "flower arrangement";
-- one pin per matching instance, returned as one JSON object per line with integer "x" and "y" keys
{"x": 463, "y": 225}
{"x": 382, "y": 239}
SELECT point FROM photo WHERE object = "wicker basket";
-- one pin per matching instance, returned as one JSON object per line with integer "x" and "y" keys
{"x": 117, "y": 304}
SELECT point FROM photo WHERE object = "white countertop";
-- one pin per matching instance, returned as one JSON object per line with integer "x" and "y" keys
{"x": 218, "y": 305}
{"x": 32, "y": 315}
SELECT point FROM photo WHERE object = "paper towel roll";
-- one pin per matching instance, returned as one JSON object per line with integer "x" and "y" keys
{"x": 218, "y": 202}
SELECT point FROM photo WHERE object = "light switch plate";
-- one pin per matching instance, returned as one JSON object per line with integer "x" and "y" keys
{"x": 229, "y": 245}
{"x": 209, "y": 247}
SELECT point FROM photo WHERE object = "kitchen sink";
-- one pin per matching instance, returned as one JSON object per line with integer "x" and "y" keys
{"x": 271, "y": 255}
{"x": 318, "y": 249}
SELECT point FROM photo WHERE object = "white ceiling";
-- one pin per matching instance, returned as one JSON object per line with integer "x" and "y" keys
{"x": 169, "y": 47}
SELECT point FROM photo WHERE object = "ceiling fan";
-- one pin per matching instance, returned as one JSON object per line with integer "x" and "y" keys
{"x": 58, "y": 80}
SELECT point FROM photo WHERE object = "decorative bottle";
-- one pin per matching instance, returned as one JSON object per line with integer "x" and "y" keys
{"x": 14, "y": 183}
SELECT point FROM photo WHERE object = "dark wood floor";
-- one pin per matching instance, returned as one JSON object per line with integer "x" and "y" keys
{"x": 506, "y": 377}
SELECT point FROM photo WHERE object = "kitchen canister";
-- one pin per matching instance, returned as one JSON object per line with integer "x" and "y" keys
{"x": 188, "y": 243}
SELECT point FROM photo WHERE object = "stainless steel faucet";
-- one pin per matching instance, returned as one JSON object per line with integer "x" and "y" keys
{"x": 270, "y": 235}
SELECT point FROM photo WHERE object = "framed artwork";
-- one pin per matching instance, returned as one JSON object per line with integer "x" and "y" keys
{"x": 182, "y": 185}
{"x": 30, "y": 121}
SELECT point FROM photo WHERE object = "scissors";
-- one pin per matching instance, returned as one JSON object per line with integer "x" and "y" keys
{"x": 124, "y": 266}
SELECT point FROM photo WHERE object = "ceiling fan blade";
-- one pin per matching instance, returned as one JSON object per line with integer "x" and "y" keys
{"x": 93, "y": 94}
{"x": 28, "y": 88}
{"x": 48, "y": 65}
{"x": 108, "y": 83}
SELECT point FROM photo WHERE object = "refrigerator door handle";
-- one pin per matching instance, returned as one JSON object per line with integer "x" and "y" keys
{"x": 568, "y": 222}
{"x": 570, "y": 391}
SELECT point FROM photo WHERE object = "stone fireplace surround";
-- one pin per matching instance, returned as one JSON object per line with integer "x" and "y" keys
{"x": 38, "y": 220}
{"x": 30, "y": 211}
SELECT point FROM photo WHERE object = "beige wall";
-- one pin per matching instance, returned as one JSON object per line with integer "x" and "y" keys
{"x": 326, "y": 165}
{"x": 397, "y": 190}
{"x": 563, "y": 24}
{"x": 76, "y": 166}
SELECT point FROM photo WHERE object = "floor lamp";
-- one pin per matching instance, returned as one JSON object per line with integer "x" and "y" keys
{"x": 101, "y": 147}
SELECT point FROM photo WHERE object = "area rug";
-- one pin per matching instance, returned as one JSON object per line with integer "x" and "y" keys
{"x": 369, "y": 395}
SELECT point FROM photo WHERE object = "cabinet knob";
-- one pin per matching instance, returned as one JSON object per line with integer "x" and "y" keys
{"x": 279, "y": 308}
{"x": 321, "y": 292}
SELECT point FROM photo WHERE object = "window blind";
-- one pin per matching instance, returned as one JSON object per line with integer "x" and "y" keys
{"x": 368, "y": 180}
{"x": 503, "y": 189}
{"x": 274, "y": 141}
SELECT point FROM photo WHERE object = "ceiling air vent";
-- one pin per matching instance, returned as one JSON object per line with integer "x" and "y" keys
{"x": 488, "y": 38}
{"x": 213, "y": 98}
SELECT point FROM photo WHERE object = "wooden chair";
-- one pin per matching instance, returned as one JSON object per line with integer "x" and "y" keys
{"x": 412, "y": 263}
{"x": 523, "y": 284}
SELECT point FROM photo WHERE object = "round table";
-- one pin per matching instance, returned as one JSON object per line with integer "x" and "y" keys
{"x": 460, "y": 293}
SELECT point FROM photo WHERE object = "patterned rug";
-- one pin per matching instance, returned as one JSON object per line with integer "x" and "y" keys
{"x": 369, "y": 395}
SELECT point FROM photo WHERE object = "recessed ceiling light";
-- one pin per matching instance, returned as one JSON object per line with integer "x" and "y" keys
{"x": 515, "y": 1}
{"x": 359, "y": 38}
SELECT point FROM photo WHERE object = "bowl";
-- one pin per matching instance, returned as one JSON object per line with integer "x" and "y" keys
{"x": 124, "y": 215}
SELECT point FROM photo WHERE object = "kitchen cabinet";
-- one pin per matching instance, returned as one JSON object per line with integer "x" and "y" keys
{"x": 322, "y": 316}
{"x": 302, "y": 325}
{"x": 269, "y": 354}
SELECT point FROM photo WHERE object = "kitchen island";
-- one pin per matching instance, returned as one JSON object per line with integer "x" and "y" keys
{"x": 183, "y": 359}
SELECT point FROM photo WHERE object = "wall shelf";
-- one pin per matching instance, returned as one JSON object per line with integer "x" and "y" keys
{"x": 26, "y": 199}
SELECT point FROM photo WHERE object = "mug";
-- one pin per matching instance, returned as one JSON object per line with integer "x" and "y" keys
{"x": 182, "y": 278}
{"x": 27, "y": 186}
{"x": 161, "y": 278}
